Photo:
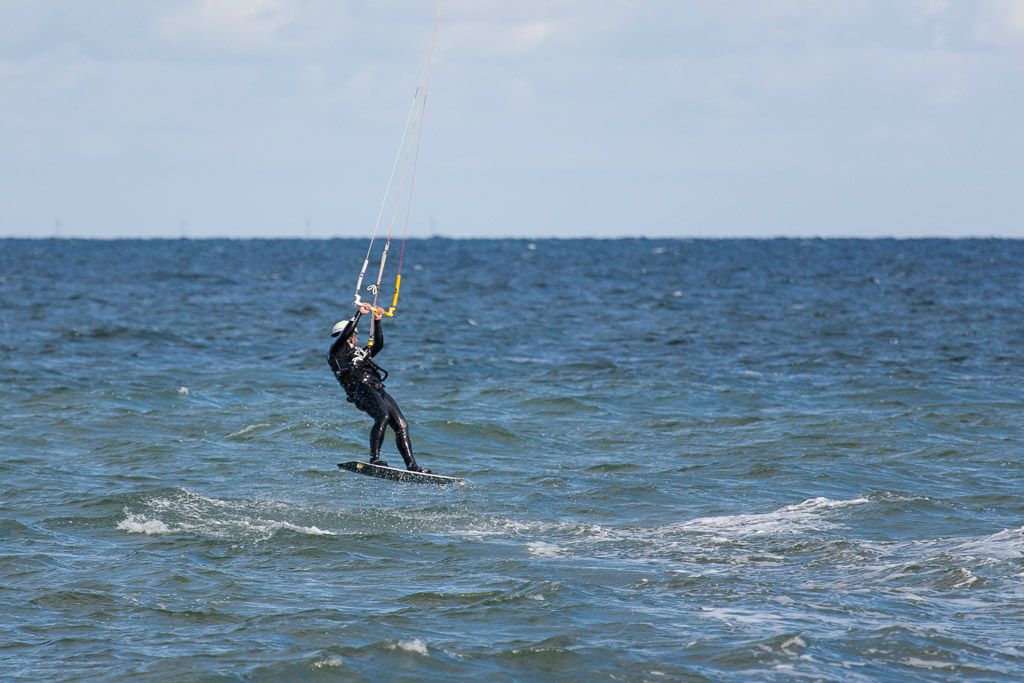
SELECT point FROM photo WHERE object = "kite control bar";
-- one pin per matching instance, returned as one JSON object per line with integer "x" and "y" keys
{"x": 389, "y": 312}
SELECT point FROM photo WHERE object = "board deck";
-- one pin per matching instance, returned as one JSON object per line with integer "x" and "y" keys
{"x": 396, "y": 474}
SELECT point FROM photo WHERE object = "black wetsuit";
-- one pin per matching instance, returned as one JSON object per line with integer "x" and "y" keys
{"x": 363, "y": 381}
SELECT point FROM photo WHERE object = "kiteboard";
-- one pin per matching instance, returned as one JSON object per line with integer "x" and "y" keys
{"x": 396, "y": 474}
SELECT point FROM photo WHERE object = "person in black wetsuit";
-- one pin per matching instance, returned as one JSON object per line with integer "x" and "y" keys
{"x": 363, "y": 381}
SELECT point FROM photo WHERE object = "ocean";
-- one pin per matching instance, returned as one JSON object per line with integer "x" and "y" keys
{"x": 688, "y": 460}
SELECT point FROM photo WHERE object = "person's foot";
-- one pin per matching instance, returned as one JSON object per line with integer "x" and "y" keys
{"x": 416, "y": 468}
{"x": 374, "y": 460}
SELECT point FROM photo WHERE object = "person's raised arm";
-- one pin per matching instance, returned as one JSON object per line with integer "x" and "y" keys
{"x": 378, "y": 333}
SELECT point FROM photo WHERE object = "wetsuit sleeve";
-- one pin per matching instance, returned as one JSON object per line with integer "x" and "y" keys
{"x": 378, "y": 338}
{"x": 346, "y": 333}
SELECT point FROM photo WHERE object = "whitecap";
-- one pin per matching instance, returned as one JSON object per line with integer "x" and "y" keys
{"x": 417, "y": 646}
{"x": 1007, "y": 544}
{"x": 792, "y": 642}
{"x": 250, "y": 428}
{"x": 542, "y": 549}
{"x": 737, "y": 616}
{"x": 311, "y": 530}
{"x": 804, "y": 516}
{"x": 193, "y": 513}
{"x": 968, "y": 580}
{"x": 928, "y": 663}
{"x": 137, "y": 524}
{"x": 332, "y": 661}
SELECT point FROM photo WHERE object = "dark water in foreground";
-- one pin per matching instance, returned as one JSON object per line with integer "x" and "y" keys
{"x": 690, "y": 460}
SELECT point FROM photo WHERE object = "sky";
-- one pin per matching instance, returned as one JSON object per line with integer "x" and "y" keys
{"x": 545, "y": 118}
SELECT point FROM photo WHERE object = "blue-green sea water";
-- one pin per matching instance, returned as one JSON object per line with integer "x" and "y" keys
{"x": 689, "y": 460}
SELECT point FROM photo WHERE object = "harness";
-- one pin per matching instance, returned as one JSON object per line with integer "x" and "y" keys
{"x": 359, "y": 364}
{"x": 373, "y": 364}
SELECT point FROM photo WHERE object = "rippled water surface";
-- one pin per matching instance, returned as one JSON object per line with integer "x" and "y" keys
{"x": 689, "y": 460}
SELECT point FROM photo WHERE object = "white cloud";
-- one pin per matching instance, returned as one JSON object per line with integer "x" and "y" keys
{"x": 502, "y": 28}
{"x": 784, "y": 18}
{"x": 622, "y": 96}
{"x": 230, "y": 24}
{"x": 1000, "y": 22}
{"x": 936, "y": 78}
{"x": 496, "y": 38}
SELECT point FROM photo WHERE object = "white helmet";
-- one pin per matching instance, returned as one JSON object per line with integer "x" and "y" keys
{"x": 340, "y": 326}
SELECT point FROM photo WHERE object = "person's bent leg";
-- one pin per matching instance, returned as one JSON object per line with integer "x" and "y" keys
{"x": 401, "y": 428}
{"x": 374, "y": 405}
{"x": 380, "y": 425}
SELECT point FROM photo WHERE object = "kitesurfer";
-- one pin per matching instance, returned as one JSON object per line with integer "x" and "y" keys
{"x": 363, "y": 381}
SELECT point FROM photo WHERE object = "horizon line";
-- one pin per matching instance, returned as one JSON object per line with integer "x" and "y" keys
{"x": 507, "y": 237}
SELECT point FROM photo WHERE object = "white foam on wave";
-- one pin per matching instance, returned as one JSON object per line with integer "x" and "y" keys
{"x": 919, "y": 663}
{"x": 952, "y": 564}
{"x": 805, "y": 516}
{"x": 417, "y": 646}
{"x": 250, "y": 428}
{"x": 498, "y": 526}
{"x": 1007, "y": 544}
{"x": 968, "y": 580}
{"x": 137, "y": 524}
{"x": 329, "y": 662}
{"x": 189, "y": 512}
{"x": 311, "y": 530}
{"x": 792, "y": 642}
{"x": 544, "y": 549}
{"x": 738, "y": 616}
{"x": 186, "y": 500}
{"x": 550, "y": 538}
{"x": 243, "y": 527}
